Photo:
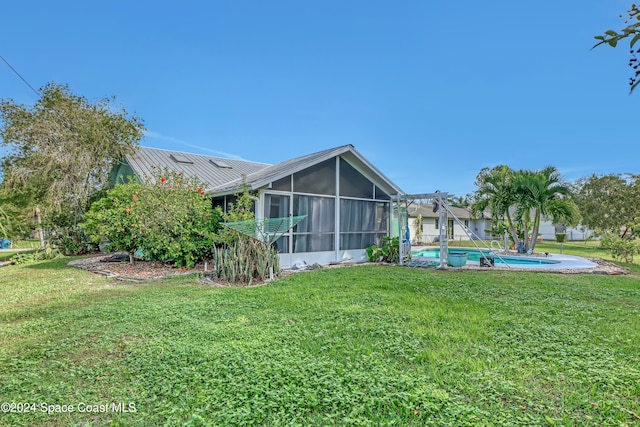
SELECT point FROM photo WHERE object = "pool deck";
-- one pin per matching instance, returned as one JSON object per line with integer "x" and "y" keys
{"x": 561, "y": 261}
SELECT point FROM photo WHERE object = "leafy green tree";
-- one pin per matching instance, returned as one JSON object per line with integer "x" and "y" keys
{"x": 16, "y": 216}
{"x": 609, "y": 203}
{"x": 62, "y": 149}
{"x": 168, "y": 217}
{"x": 630, "y": 31}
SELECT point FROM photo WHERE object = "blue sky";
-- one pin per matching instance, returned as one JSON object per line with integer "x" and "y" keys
{"x": 429, "y": 92}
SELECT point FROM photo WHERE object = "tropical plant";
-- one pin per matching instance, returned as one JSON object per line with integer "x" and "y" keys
{"x": 167, "y": 217}
{"x": 495, "y": 193}
{"x": 459, "y": 201}
{"x": 245, "y": 260}
{"x": 387, "y": 250}
{"x": 542, "y": 194}
{"x": 523, "y": 198}
{"x": 72, "y": 240}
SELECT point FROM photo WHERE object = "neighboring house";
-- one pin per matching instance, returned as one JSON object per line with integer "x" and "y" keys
{"x": 346, "y": 200}
{"x": 548, "y": 230}
{"x": 478, "y": 227}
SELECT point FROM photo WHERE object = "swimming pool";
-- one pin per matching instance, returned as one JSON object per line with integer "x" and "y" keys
{"x": 475, "y": 255}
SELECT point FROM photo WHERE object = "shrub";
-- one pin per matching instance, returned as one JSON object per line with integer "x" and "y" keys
{"x": 561, "y": 237}
{"x": 387, "y": 251}
{"x": 167, "y": 217}
{"x": 622, "y": 249}
{"x": 245, "y": 260}
{"x": 72, "y": 241}
{"x": 31, "y": 257}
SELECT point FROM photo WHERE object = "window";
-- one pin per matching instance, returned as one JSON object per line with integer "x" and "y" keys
{"x": 316, "y": 232}
{"x": 277, "y": 206}
{"x": 362, "y": 223}
{"x": 226, "y": 203}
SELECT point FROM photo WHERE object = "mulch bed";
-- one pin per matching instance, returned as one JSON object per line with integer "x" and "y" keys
{"x": 140, "y": 271}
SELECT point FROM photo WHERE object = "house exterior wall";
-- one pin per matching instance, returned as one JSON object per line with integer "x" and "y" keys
{"x": 547, "y": 231}
{"x": 431, "y": 234}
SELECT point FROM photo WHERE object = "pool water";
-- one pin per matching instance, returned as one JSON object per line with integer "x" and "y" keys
{"x": 476, "y": 254}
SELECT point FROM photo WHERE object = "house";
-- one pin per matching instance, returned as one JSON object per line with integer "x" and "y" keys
{"x": 429, "y": 231}
{"x": 346, "y": 201}
{"x": 548, "y": 230}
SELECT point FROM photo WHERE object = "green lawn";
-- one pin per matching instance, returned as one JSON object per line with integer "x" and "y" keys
{"x": 366, "y": 345}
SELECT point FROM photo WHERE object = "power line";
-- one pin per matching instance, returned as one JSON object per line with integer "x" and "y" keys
{"x": 18, "y": 74}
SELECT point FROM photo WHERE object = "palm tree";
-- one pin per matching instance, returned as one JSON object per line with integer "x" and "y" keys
{"x": 541, "y": 194}
{"x": 495, "y": 193}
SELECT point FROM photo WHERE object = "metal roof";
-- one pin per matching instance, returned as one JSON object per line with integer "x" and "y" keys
{"x": 202, "y": 167}
{"x": 226, "y": 176}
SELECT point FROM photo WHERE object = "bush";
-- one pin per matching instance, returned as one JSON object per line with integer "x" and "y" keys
{"x": 561, "y": 237}
{"x": 73, "y": 241}
{"x": 167, "y": 217}
{"x": 622, "y": 249}
{"x": 31, "y": 257}
{"x": 387, "y": 251}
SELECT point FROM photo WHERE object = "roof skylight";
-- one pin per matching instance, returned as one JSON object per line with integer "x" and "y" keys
{"x": 181, "y": 159}
{"x": 220, "y": 163}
